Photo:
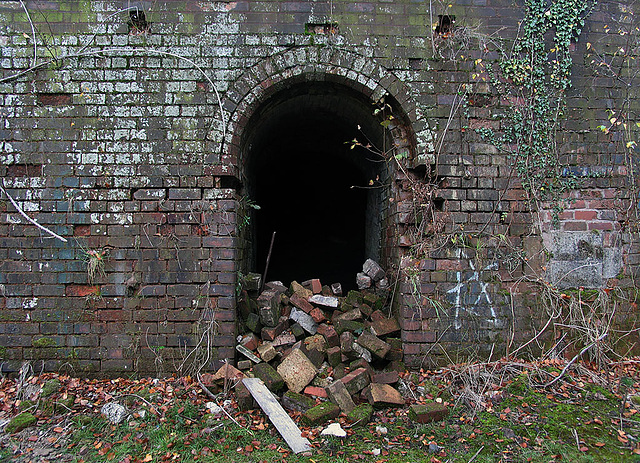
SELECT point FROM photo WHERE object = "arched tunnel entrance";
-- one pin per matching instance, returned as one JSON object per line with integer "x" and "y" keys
{"x": 324, "y": 197}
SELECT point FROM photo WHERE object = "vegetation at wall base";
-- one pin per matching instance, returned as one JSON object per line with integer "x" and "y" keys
{"x": 505, "y": 410}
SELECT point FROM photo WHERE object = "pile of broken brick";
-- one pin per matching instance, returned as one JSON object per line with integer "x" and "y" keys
{"x": 320, "y": 352}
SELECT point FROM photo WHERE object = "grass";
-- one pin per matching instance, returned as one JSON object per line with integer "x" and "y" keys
{"x": 576, "y": 420}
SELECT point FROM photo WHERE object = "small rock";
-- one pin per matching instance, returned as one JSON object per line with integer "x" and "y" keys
{"x": 433, "y": 447}
{"x": 363, "y": 281}
{"x": 334, "y": 429}
{"x": 381, "y": 430}
{"x": 213, "y": 408}
{"x": 114, "y": 412}
{"x": 375, "y": 452}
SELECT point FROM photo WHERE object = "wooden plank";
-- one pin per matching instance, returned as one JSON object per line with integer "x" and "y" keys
{"x": 280, "y": 419}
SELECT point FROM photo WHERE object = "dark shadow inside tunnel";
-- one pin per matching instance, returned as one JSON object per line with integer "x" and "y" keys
{"x": 321, "y": 196}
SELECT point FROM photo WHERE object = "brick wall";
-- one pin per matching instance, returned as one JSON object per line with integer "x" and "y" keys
{"x": 132, "y": 145}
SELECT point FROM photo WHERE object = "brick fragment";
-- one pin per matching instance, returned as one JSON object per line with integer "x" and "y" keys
{"x": 356, "y": 380}
{"x": 267, "y": 351}
{"x": 372, "y": 269}
{"x": 300, "y": 302}
{"x": 321, "y": 413}
{"x": 315, "y": 391}
{"x": 269, "y": 376}
{"x": 304, "y": 320}
{"x": 385, "y": 377}
{"x": 317, "y": 315}
{"x": 375, "y": 345}
{"x": 297, "y": 402}
{"x": 383, "y": 395}
{"x": 339, "y": 395}
{"x": 427, "y": 413}
{"x": 330, "y": 335}
{"x": 334, "y": 355}
{"x": 297, "y": 370}
{"x": 329, "y": 302}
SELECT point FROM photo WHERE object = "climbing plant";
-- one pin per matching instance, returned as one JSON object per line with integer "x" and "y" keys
{"x": 534, "y": 77}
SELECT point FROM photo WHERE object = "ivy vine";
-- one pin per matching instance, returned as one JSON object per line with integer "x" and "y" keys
{"x": 534, "y": 77}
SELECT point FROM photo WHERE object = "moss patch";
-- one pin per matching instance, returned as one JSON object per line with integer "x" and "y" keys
{"x": 19, "y": 422}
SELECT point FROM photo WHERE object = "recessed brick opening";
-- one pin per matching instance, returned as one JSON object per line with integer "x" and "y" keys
{"x": 325, "y": 199}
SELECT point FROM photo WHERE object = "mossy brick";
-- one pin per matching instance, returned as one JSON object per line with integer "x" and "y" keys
{"x": 342, "y": 326}
{"x": 354, "y": 297}
{"x": 360, "y": 415}
{"x": 427, "y": 413}
{"x": 297, "y": 402}
{"x": 269, "y": 376}
{"x": 20, "y": 422}
{"x": 375, "y": 345}
{"x": 334, "y": 355}
{"x": 50, "y": 387}
{"x": 356, "y": 380}
{"x": 320, "y": 414}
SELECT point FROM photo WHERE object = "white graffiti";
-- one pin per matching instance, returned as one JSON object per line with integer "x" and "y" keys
{"x": 463, "y": 289}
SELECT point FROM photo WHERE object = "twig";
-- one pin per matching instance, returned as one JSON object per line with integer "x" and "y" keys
{"x": 23, "y": 214}
{"x": 266, "y": 266}
{"x": 33, "y": 32}
{"x": 215, "y": 399}
{"x": 564, "y": 370}
{"x": 476, "y": 454}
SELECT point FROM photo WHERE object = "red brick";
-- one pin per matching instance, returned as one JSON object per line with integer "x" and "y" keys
{"x": 81, "y": 290}
{"x": 315, "y": 391}
{"x": 317, "y": 315}
{"x": 301, "y": 303}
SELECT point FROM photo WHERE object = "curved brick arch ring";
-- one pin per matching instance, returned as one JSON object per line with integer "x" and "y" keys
{"x": 310, "y": 64}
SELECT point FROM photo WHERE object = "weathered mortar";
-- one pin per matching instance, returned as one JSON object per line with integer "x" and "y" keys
{"x": 132, "y": 152}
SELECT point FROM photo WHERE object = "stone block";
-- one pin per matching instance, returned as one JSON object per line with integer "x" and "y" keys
{"x": 372, "y": 269}
{"x": 269, "y": 315}
{"x": 267, "y": 352}
{"x": 375, "y": 345}
{"x": 363, "y": 281}
{"x": 336, "y": 289}
{"x": 339, "y": 395}
{"x": 304, "y": 320}
{"x": 252, "y": 282}
{"x": 321, "y": 414}
{"x": 428, "y": 413}
{"x": 373, "y": 300}
{"x": 330, "y": 335}
{"x": 383, "y": 395}
{"x": 356, "y": 380}
{"x": 269, "y": 376}
{"x": 329, "y": 302}
{"x": 297, "y": 402}
{"x": 297, "y": 370}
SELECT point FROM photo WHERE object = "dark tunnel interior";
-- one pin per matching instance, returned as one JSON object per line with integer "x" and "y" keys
{"x": 321, "y": 196}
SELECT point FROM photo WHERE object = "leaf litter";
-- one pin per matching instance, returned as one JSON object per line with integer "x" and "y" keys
{"x": 499, "y": 411}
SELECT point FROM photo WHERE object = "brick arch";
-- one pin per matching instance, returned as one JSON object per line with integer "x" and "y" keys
{"x": 309, "y": 64}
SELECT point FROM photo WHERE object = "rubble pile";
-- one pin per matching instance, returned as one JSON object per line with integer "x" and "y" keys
{"x": 320, "y": 351}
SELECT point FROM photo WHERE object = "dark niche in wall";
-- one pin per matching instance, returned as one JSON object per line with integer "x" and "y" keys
{"x": 322, "y": 197}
